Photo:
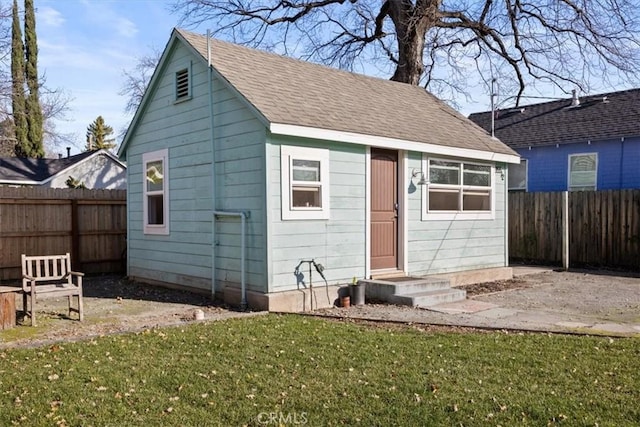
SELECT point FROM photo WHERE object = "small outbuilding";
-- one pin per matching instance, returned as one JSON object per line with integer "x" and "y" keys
{"x": 243, "y": 164}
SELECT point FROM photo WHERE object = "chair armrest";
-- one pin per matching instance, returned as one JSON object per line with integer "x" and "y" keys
{"x": 76, "y": 273}
{"x": 31, "y": 283}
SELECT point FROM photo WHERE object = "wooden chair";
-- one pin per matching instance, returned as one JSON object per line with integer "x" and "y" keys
{"x": 50, "y": 276}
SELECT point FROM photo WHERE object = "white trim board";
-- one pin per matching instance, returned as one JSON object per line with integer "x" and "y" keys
{"x": 390, "y": 143}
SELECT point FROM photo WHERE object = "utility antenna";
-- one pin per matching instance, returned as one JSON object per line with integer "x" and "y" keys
{"x": 493, "y": 113}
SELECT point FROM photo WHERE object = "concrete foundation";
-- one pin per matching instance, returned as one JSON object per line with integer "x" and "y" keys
{"x": 295, "y": 301}
{"x": 484, "y": 275}
{"x": 302, "y": 300}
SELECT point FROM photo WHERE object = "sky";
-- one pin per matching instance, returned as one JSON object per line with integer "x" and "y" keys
{"x": 84, "y": 46}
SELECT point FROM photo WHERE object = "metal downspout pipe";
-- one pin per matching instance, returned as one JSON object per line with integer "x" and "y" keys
{"x": 213, "y": 168}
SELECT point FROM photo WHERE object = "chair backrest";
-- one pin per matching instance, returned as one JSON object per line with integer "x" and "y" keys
{"x": 48, "y": 267}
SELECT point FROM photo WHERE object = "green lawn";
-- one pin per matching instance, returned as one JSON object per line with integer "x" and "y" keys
{"x": 292, "y": 370}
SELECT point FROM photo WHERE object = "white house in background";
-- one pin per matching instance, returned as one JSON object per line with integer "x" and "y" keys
{"x": 240, "y": 170}
{"x": 94, "y": 169}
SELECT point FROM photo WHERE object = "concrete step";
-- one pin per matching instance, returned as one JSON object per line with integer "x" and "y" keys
{"x": 429, "y": 298}
{"x": 381, "y": 289}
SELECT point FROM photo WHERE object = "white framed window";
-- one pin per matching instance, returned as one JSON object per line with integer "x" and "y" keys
{"x": 458, "y": 190}
{"x": 305, "y": 182}
{"x": 583, "y": 171}
{"x": 156, "y": 192}
{"x": 183, "y": 84}
{"x": 518, "y": 175}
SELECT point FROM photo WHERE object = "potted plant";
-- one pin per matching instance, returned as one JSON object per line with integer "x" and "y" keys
{"x": 356, "y": 290}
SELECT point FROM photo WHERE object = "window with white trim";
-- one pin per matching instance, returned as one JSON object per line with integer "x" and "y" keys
{"x": 183, "y": 84}
{"x": 583, "y": 171}
{"x": 156, "y": 192}
{"x": 518, "y": 175}
{"x": 305, "y": 182}
{"x": 458, "y": 190}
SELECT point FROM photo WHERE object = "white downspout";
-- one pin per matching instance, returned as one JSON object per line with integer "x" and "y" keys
{"x": 213, "y": 169}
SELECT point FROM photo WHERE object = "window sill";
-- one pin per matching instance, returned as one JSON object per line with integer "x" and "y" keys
{"x": 458, "y": 216}
{"x": 305, "y": 215}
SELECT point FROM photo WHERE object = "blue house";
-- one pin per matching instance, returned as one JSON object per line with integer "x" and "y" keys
{"x": 243, "y": 164}
{"x": 589, "y": 143}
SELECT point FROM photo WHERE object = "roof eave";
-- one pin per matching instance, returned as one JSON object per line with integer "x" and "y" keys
{"x": 391, "y": 143}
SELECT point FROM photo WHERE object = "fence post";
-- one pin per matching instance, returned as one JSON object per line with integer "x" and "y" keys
{"x": 75, "y": 237}
{"x": 565, "y": 230}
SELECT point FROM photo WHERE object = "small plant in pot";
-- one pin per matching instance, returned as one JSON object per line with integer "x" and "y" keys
{"x": 356, "y": 290}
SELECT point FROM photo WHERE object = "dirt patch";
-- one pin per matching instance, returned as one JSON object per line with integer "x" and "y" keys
{"x": 112, "y": 304}
{"x": 493, "y": 287}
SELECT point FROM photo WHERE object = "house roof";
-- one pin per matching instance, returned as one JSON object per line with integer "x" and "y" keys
{"x": 598, "y": 117}
{"x": 28, "y": 171}
{"x": 304, "y": 95}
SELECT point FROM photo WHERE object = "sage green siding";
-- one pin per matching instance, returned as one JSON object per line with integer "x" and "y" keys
{"x": 337, "y": 243}
{"x": 454, "y": 245}
{"x": 184, "y": 257}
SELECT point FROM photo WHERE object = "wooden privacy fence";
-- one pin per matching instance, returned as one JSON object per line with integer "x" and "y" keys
{"x": 603, "y": 228}
{"x": 89, "y": 224}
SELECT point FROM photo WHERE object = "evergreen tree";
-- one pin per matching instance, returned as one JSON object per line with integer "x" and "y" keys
{"x": 33, "y": 108}
{"x": 98, "y": 136}
{"x": 21, "y": 148}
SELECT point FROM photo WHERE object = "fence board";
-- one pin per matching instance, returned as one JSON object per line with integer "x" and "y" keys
{"x": 90, "y": 224}
{"x": 604, "y": 228}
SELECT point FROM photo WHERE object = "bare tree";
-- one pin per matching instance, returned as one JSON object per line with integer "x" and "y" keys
{"x": 440, "y": 43}
{"x": 137, "y": 80}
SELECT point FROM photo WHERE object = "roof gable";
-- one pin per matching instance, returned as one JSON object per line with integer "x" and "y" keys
{"x": 598, "y": 117}
{"x": 286, "y": 91}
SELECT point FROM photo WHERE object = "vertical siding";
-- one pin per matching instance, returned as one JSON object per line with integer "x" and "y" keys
{"x": 617, "y": 164}
{"x": 184, "y": 256}
{"x": 453, "y": 245}
{"x": 337, "y": 243}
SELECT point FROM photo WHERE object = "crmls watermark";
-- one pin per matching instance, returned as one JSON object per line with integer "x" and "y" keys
{"x": 282, "y": 418}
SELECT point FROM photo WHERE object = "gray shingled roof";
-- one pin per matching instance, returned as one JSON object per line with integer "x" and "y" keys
{"x": 606, "y": 116}
{"x": 18, "y": 169}
{"x": 294, "y": 92}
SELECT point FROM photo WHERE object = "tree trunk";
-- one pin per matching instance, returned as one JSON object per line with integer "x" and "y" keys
{"x": 411, "y": 23}
{"x": 7, "y": 310}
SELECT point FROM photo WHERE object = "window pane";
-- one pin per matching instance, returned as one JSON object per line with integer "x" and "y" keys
{"x": 155, "y": 209}
{"x": 441, "y": 172}
{"x": 477, "y": 175}
{"x": 476, "y": 201}
{"x": 443, "y": 200}
{"x": 306, "y": 170}
{"x": 582, "y": 172}
{"x": 155, "y": 176}
{"x": 306, "y": 197}
{"x": 518, "y": 176}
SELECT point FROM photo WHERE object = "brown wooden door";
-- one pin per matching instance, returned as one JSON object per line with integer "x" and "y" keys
{"x": 384, "y": 209}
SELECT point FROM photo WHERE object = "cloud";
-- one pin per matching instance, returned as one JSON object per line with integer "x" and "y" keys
{"x": 125, "y": 27}
{"x": 50, "y": 17}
